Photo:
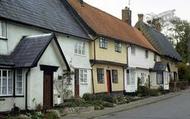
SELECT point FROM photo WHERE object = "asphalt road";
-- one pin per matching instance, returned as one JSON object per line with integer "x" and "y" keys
{"x": 174, "y": 108}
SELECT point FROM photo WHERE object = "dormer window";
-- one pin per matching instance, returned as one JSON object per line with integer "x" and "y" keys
{"x": 3, "y": 29}
{"x": 103, "y": 43}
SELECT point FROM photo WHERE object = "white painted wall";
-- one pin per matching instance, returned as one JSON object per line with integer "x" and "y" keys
{"x": 139, "y": 59}
{"x": 15, "y": 32}
{"x": 141, "y": 65}
{"x": 35, "y": 82}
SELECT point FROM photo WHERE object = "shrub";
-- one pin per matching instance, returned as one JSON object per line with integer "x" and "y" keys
{"x": 89, "y": 97}
{"x": 98, "y": 107}
{"x": 51, "y": 115}
{"x": 143, "y": 91}
{"x": 154, "y": 92}
{"x": 107, "y": 104}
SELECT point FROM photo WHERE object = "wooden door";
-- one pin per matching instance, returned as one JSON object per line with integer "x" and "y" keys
{"x": 77, "y": 90}
{"x": 48, "y": 90}
{"x": 109, "y": 84}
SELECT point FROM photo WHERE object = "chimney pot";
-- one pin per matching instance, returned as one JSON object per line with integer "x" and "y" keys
{"x": 140, "y": 17}
{"x": 81, "y": 2}
{"x": 126, "y": 15}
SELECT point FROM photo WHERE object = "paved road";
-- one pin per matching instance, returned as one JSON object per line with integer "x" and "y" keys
{"x": 174, "y": 108}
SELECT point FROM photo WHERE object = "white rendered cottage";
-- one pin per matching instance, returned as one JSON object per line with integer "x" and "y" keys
{"x": 141, "y": 58}
{"x": 30, "y": 18}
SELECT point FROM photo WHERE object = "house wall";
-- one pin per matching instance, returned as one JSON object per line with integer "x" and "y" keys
{"x": 102, "y": 88}
{"x": 7, "y": 103}
{"x": 16, "y": 31}
{"x": 139, "y": 59}
{"x": 77, "y": 61}
{"x": 108, "y": 54}
{"x": 36, "y": 77}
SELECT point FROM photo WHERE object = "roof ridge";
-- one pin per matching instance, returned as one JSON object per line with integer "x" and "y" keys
{"x": 105, "y": 13}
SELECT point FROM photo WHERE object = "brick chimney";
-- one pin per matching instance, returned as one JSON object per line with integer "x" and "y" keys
{"x": 140, "y": 17}
{"x": 126, "y": 15}
{"x": 157, "y": 25}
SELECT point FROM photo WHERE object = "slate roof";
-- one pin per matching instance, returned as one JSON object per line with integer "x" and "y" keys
{"x": 159, "y": 66}
{"x": 48, "y": 14}
{"x": 158, "y": 41}
{"x": 104, "y": 24}
{"x": 29, "y": 50}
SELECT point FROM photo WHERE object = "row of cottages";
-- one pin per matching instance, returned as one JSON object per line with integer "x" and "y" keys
{"x": 39, "y": 41}
{"x": 122, "y": 55}
{"x": 42, "y": 39}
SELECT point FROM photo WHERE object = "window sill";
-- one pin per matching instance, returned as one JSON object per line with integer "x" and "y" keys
{"x": 103, "y": 48}
{"x": 84, "y": 83}
{"x": 11, "y": 96}
{"x": 3, "y": 38}
{"x": 80, "y": 55}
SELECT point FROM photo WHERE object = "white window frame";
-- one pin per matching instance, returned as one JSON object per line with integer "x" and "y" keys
{"x": 146, "y": 54}
{"x": 83, "y": 76}
{"x": 7, "y": 82}
{"x": 80, "y": 48}
{"x": 103, "y": 43}
{"x": 133, "y": 50}
{"x": 3, "y": 30}
{"x": 16, "y": 81}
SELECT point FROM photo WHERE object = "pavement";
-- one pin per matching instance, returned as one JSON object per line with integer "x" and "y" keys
{"x": 170, "y": 106}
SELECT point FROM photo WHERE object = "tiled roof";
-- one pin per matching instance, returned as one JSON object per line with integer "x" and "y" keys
{"x": 48, "y": 14}
{"x": 29, "y": 50}
{"x": 158, "y": 41}
{"x": 107, "y": 25}
{"x": 6, "y": 60}
{"x": 159, "y": 66}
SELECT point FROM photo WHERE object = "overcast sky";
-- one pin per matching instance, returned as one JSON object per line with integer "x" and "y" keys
{"x": 114, "y": 7}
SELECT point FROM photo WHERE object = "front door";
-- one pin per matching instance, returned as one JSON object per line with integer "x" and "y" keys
{"x": 48, "y": 90}
{"x": 77, "y": 83}
{"x": 131, "y": 81}
{"x": 109, "y": 84}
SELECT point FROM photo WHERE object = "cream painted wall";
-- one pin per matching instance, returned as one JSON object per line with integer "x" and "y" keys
{"x": 101, "y": 88}
{"x": 109, "y": 54}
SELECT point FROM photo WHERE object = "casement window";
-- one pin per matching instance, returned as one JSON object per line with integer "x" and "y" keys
{"x": 3, "y": 29}
{"x": 6, "y": 82}
{"x": 146, "y": 53}
{"x": 159, "y": 78}
{"x": 114, "y": 76}
{"x": 131, "y": 77}
{"x": 80, "y": 48}
{"x": 133, "y": 50}
{"x": 103, "y": 43}
{"x": 19, "y": 83}
{"x": 83, "y": 75}
{"x": 118, "y": 46}
{"x": 155, "y": 57}
{"x": 100, "y": 75}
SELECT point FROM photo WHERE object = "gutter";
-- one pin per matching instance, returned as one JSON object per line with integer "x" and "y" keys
{"x": 26, "y": 89}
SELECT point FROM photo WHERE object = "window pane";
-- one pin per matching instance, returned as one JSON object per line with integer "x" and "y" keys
{"x": 10, "y": 83}
{"x": 4, "y": 84}
{"x": 1, "y": 29}
{"x": 19, "y": 82}
{"x": 100, "y": 75}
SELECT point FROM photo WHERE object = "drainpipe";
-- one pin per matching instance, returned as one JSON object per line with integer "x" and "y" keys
{"x": 127, "y": 48}
{"x": 26, "y": 89}
{"x": 93, "y": 90}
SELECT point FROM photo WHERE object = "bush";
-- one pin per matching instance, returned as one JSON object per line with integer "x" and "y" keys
{"x": 107, "y": 104}
{"x": 184, "y": 72}
{"x": 89, "y": 97}
{"x": 98, "y": 107}
{"x": 51, "y": 115}
{"x": 143, "y": 91}
{"x": 154, "y": 92}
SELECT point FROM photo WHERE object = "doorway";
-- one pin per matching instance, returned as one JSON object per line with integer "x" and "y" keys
{"x": 109, "y": 83}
